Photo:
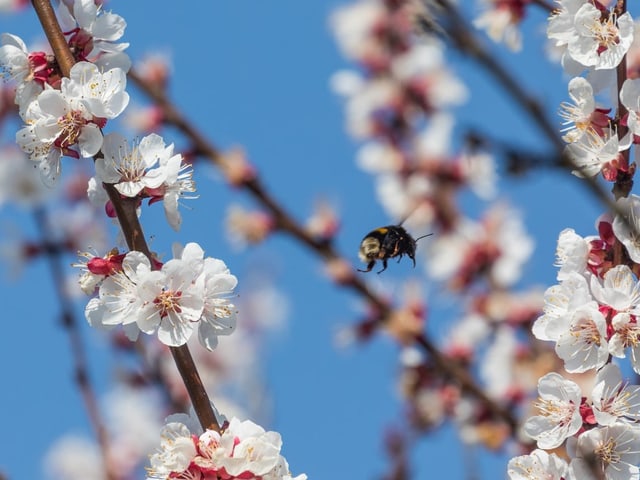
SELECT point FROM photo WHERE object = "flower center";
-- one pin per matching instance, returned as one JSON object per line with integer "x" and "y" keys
{"x": 607, "y": 453}
{"x": 560, "y": 413}
{"x": 71, "y": 126}
{"x": 168, "y": 301}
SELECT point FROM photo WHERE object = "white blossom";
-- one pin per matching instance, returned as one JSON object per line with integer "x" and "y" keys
{"x": 583, "y": 345}
{"x": 610, "y": 453}
{"x": 95, "y": 33}
{"x": 538, "y": 465}
{"x": 133, "y": 169}
{"x": 626, "y": 228}
{"x": 60, "y": 120}
{"x": 591, "y": 153}
{"x": 592, "y": 38}
{"x": 559, "y": 407}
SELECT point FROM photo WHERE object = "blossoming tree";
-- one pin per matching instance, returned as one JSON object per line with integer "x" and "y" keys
{"x": 542, "y": 376}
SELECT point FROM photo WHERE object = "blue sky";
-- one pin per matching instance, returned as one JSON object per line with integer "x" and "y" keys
{"x": 257, "y": 74}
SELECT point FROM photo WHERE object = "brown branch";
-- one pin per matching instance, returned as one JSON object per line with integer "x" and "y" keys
{"x": 131, "y": 228}
{"x": 624, "y": 183}
{"x": 56, "y": 39}
{"x": 288, "y": 224}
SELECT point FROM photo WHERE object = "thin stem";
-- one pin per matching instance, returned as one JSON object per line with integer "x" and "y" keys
{"x": 56, "y": 39}
{"x": 624, "y": 183}
{"x": 131, "y": 228}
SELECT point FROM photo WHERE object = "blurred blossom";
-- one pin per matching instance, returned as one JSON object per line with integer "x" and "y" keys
{"x": 324, "y": 222}
{"x": 15, "y": 251}
{"x": 513, "y": 308}
{"x": 346, "y": 82}
{"x": 263, "y": 305}
{"x": 497, "y": 247}
{"x": 404, "y": 325}
{"x": 629, "y": 94}
{"x": 353, "y": 25}
{"x": 479, "y": 171}
{"x": 339, "y": 270}
{"x": 12, "y": 6}
{"x": 430, "y": 407}
{"x": 370, "y": 109}
{"x": 78, "y": 225}
{"x": 423, "y": 72}
{"x": 155, "y": 69}
{"x": 407, "y": 321}
{"x": 572, "y": 253}
{"x": 20, "y": 182}
{"x": 401, "y": 196}
{"x": 377, "y": 157}
{"x": 143, "y": 120}
{"x": 236, "y": 167}
{"x": 633, "y": 55}
{"x": 497, "y": 369}
{"x": 433, "y": 143}
{"x": 134, "y": 419}
{"x": 466, "y": 336}
{"x": 74, "y": 458}
{"x": 501, "y": 20}
{"x": 246, "y": 227}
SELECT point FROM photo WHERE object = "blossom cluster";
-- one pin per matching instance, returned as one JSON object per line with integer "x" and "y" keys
{"x": 592, "y": 41}
{"x": 183, "y": 294}
{"x": 65, "y": 116}
{"x": 603, "y": 437}
{"x": 243, "y": 450}
{"x": 149, "y": 169}
{"x": 591, "y": 314}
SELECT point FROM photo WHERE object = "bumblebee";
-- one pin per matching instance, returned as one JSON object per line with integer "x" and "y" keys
{"x": 387, "y": 242}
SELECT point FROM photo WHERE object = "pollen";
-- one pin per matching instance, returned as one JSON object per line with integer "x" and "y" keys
{"x": 71, "y": 126}
{"x": 607, "y": 452}
{"x": 606, "y": 33}
{"x": 168, "y": 301}
{"x": 560, "y": 413}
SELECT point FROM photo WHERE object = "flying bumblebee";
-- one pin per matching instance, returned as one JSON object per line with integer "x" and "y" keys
{"x": 387, "y": 242}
